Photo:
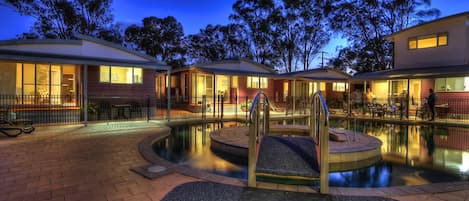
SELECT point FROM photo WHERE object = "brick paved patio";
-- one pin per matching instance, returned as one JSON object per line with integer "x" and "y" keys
{"x": 80, "y": 163}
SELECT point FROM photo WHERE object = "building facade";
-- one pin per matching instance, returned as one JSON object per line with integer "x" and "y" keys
{"x": 433, "y": 55}
{"x": 41, "y": 76}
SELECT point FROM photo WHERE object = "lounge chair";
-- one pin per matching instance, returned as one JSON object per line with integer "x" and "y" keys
{"x": 13, "y": 128}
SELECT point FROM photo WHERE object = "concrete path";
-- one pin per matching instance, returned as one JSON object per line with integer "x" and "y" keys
{"x": 74, "y": 162}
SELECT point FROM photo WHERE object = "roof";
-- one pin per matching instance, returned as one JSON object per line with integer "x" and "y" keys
{"x": 231, "y": 67}
{"x": 238, "y": 61}
{"x": 12, "y": 55}
{"x": 389, "y": 37}
{"x": 76, "y": 52}
{"x": 411, "y": 73}
{"x": 223, "y": 71}
{"x": 318, "y": 74}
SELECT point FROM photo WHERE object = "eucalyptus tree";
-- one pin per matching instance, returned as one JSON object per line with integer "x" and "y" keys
{"x": 305, "y": 30}
{"x": 366, "y": 23}
{"x": 218, "y": 42}
{"x": 62, "y": 18}
{"x": 257, "y": 16}
{"x": 162, "y": 38}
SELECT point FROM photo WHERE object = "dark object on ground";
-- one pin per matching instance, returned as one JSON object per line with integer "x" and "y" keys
{"x": 13, "y": 128}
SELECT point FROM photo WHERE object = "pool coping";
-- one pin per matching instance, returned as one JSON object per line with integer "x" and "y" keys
{"x": 146, "y": 150}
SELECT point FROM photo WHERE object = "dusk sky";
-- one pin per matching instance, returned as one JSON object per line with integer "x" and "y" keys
{"x": 193, "y": 14}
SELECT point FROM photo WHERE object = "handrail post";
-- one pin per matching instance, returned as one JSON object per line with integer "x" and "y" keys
{"x": 319, "y": 129}
{"x": 324, "y": 145}
{"x": 252, "y": 152}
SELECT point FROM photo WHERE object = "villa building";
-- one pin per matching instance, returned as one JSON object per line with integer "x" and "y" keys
{"x": 238, "y": 80}
{"x": 62, "y": 76}
{"x": 430, "y": 55}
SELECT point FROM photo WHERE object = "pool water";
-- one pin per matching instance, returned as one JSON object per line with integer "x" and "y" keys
{"x": 412, "y": 155}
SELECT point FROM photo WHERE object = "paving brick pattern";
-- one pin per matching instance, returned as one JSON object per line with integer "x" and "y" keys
{"x": 80, "y": 163}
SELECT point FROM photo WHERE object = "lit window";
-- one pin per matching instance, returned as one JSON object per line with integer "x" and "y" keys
{"x": 234, "y": 82}
{"x": 428, "y": 41}
{"x": 451, "y": 84}
{"x": 339, "y": 86}
{"x": 413, "y": 43}
{"x": 322, "y": 86}
{"x": 138, "y": 75}
{"x": 442, "y": 39}
{"x": 257, "y": 82}
{"x": 120, "y": 75}
{"x": 104, "y": 73}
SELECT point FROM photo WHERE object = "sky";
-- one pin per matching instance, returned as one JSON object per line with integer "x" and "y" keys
{"x": 193, "y": 15}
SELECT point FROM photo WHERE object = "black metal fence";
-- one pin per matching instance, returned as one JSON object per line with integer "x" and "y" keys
{"x": 69, "y": 109}
{"x": 446, "y": 108}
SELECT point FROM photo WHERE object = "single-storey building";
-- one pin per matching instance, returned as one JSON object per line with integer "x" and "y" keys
{"x": 56, "y": 79}
{"x": 238, "y": 81}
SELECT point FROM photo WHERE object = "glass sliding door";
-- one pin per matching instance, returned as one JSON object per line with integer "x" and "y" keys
{"x": 45, "y": 84}
{"x": 202, "y": 84}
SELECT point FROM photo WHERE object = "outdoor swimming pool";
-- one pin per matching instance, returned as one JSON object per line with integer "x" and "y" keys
{"x": 412, "y": 155}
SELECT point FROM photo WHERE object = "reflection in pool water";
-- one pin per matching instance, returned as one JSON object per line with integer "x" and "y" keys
{"x": 412, "y": 155}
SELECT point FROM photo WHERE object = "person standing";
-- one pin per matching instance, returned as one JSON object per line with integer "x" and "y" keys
{"x": 431, "y": 100}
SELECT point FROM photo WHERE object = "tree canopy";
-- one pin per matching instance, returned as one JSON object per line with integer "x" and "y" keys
{"x": 159, "y": 37}
{"x": 284, "y": 34}
{"x": 365, "y": 23}
{"x": 62, "y": 18}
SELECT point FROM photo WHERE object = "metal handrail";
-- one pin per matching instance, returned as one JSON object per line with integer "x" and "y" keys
{"x": 254, "y": 115}
{"x": 319, "y": 128}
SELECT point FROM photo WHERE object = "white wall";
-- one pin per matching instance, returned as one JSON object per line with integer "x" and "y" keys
{"x": 455, "y": 53}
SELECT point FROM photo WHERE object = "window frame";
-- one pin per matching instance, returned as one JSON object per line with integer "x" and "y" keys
{"x": 450, "y": 88}
{"x": 110, "y": 80}
{"x": 262, "y": 82}
{"x": 335, "y": 87}
{"x": 427, "y": 36}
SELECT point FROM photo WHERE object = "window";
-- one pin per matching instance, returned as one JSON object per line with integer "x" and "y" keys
{"x": 257, "y": 82}
{"x": 120, "y": 75}
{"x": 234, "y": 82}
{"x": 339, "y": 86}
{"x": 428, "y": 41}
{"x": 451, "y": 84}
{"x": 43, "y": 84}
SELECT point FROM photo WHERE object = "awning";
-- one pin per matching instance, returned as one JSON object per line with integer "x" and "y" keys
{"x": 414, "y": 73}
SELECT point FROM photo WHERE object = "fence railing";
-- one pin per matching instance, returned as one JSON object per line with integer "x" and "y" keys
{"x": 69, "y": 109}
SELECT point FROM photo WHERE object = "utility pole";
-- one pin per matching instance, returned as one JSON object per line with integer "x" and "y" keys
{"x": 322, "y": 59}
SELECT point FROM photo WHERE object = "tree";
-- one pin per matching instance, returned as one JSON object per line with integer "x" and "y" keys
{"x": 217, "y": 42}
{"x": 62, "y": 18}
{"x": 303, "y": 31}
{"x": 159, "y": 37}
{"x": 366, "y": 23}
{"x": 257, "y": 16}
{"x": 284, "y": 34}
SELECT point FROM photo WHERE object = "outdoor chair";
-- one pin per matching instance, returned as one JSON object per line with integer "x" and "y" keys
{"x": 390, "y": 110}
{"x": 376, "y": 110}
{"x": 274, "y": 107}
{"x": 13, "y": 128}
{"x": 423, "y": 111}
